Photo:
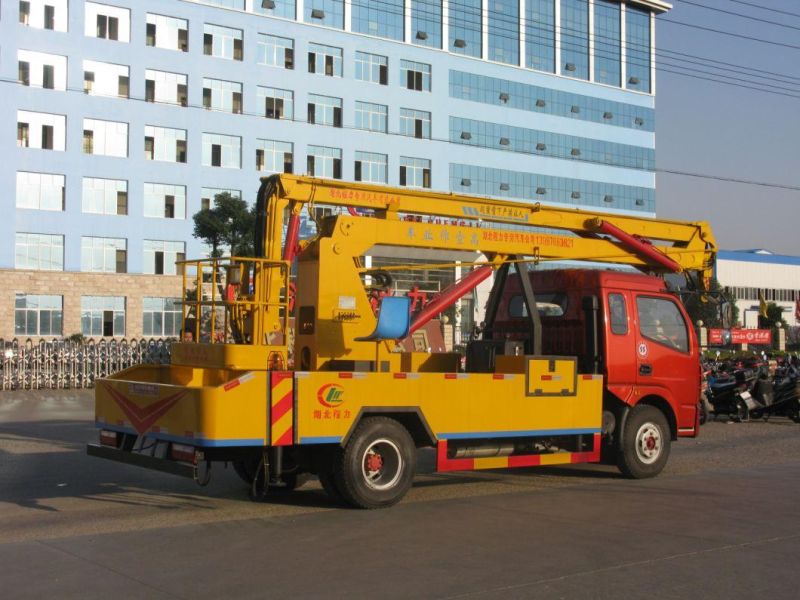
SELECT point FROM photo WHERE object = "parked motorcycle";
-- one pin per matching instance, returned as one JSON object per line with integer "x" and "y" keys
{"x": 728, "y": 392}
{"x": 776, "y": 397}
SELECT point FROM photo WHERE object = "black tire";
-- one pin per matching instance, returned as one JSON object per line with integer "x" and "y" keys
{"x": 645, "y": 443}
{"x": 291, "y": 481}
{"x": 377, "y": 466}
{"x": 742, "y": 414}
{"x": 328, "y": 483}
{"x": 246, "y": 470}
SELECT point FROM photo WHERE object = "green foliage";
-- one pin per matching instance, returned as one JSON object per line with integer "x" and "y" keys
{"x": 774, "y": 317}
{"x": 229, "y": 223}
{"x": 708, "y": 311}
{"x": 76, "y": 338}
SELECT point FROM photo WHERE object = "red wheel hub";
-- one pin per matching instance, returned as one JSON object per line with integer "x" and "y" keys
{"x": 374, "y": 462}
{"x": 651, "y": 442}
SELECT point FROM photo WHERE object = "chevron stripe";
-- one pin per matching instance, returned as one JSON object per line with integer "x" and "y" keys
{"x": 143, "y": 417}
{"x": 281, "y": 408}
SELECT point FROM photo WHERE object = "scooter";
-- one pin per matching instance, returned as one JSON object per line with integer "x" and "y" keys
{"x": 778, "y": 397}
{"x": 729, "y": 394}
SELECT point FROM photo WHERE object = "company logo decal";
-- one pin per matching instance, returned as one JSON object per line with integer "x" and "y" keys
{"x": 642, "y": 349}
{"x": 330, "y": 395}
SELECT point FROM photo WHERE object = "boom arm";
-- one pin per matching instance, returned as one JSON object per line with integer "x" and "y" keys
{"x": 687, "y": 246}
{"x": 333, "y": 305}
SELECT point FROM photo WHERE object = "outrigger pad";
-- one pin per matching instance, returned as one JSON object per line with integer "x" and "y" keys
{"x": 394, "y": 320}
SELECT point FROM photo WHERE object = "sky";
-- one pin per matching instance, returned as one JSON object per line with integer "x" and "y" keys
{"x": 728, "y": 131}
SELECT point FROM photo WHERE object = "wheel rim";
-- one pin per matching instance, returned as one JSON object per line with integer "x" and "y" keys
{"x": 649, "y": 443}
{"x": 381, "y": 464}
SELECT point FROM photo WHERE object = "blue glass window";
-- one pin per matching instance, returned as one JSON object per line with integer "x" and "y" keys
{"x": 372, "y": 117}
{"x": 471, "y": 179}
{"x": 326, "y": 60}
{"x": 415, "y": 75}
{"x": 322, "y": 161}
{"x": 324, "y": 110}
{"x": 415, "y": 123}
{"x": 465, "y": 27}
{"x": 415, "y": 172}
{"x": 382, "y": 18}
{"x": 504, "y": 31}
{"x": 637, "y": 49}
{"x": 228, "y": 3}
{"x": 538, "y": 99}
{"x": 275, "y": 51}
{"x": 540, "y": 35}
{"x": 546, "y": 143}
{"x": 607, "y": 42}
{"x": 324, "y": 12}
{"x": 575, "y": 38}
{"x": 372, "y": 67}
{"x": 426, "y": 23}
{"x": 370, "y": 167}
{"x": 283, "y": 8}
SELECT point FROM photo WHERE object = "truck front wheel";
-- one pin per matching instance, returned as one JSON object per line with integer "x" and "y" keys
{"x": 645, "y": 443}
{"x": 377, "y": 466}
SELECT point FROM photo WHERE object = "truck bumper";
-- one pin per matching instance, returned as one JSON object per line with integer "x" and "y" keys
{"x": 141, "y": 460}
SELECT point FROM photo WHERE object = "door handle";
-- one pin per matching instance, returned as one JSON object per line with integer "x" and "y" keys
{"x": 645, "y": 369}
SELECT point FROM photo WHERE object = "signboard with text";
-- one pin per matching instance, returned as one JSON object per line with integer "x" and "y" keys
{"x": 725, "y": 337}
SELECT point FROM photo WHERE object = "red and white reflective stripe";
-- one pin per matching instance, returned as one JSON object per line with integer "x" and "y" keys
{"x": 236, "y": 382}
{"x": 455, "y": 375}
{"x": 503, "y": 376}
{"x": 405, "y": 375}
{"x": 352, "y": 375}
{"x": 551, "y": 377}
{"x": 590, "y": 376}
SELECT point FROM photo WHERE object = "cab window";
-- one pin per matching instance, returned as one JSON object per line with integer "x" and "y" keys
{"x": 618, "y": 314}
{"x": 548, "y": 305}
{"x": 661, "y": 321}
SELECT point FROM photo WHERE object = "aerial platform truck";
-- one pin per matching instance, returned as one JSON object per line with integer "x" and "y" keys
{"x": 288, "y": 366}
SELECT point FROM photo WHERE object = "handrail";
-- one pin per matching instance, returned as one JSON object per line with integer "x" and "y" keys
{"x": 234, "y": 288}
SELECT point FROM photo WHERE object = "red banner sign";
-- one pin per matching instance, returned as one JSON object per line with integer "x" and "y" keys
{"x": 724, "y": 337}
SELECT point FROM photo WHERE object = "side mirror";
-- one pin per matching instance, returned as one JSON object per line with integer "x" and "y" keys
{"x": 726, "y": 314}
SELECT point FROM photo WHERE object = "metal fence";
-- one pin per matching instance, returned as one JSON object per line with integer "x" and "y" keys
{"x": 62, "y": 364}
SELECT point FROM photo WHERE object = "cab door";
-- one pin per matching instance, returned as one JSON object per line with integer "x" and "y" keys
{"x": 666, "y": 357}
{"x": 620, "y": 344}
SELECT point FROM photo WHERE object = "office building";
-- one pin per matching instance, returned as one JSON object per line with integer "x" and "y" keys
{"x": 124, "y": 119}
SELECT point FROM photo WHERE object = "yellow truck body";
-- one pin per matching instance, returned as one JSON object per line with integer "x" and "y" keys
{"x": 332, "y": 396}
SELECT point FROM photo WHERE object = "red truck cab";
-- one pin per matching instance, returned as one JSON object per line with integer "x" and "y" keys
{"x": 627, "y": 326}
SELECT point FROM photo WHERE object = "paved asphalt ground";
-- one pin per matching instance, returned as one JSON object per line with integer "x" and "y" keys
{"x": 723, "y": 521}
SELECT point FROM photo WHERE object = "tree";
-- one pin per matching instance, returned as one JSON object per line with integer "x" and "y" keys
{"x": 774, "y": 317}
{"x": 229, "y": 223}
{"x": 708, "y": 311}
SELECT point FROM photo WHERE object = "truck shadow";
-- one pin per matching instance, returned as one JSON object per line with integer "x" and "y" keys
{"x": 43, "y": 463}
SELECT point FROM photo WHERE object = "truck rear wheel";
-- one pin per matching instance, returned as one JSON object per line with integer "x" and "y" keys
{"x": 645, "y": 443}
{"x": 377, "y": 466}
